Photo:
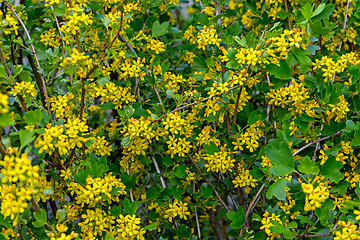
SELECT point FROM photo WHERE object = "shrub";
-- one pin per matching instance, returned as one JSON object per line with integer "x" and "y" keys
{"x": 126, "y": 120}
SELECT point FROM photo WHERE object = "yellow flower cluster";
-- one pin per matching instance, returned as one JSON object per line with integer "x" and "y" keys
{"x": 75, "y": 58}
{"x": 97, "y": 189}
{"x": 250, "y": 137}
{"x": 4, "y": 103}
{"x": 62, "y": 105}
{"x": 338, "y": 110}
{"x": 221, "y": 161}
{"x": 101, "y": 146}
{"x": 188, "y": 57}
{"x": 244, "y": 179}
{"x": 349, "y": 231}
{"x": 155, "y": 45}
{"x": 249, "y": 56}
{"x": 138, "y": 128}
{"x": 190, "y": 33}
{"x": 179, "y": 146}
{"x": 129, "y": 228}
{"x": 315, "y": 197}
{"x": 132, "y": 68}
{"x": 50, "y": 38}
{"x": 295, "y": 96}
{"x": 111, "y": 92}
{"x": 24, "y": 89}
{"x": 266, "y": 224}
{"x": 177, "y": 208}
{"x": 208, "y": 36}
{"x": 48, "y": 3}
{"x": 172, "y": 81}
{"x": 18, "y": 185}
{"x": 53, "y": 138}
{"x": 12, "y": 24}
{"x": 75, "y": 21}
{"x": 61, "y": 233}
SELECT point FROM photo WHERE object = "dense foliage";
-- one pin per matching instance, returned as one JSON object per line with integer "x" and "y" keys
{"x": 127, "y": 120}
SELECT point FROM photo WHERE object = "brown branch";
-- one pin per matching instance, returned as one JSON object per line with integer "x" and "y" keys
{"x": 287, "y": 9}
{"x": 239, "y": 95}
{"x": 34, "y": 54}
{"x": 210, "y": 183}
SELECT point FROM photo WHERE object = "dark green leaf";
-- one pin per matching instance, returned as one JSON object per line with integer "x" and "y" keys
{"x": 237, "y": 218}
{"x": 211, "y": 148}
{"x": 325, "y": 13}
{"x": 180, "y": 171}
{"x": 253, "y": 118}
{"x": 331, "y": 169}
{"x": 277, "y": 189}
{"x": 281, "y": 72}
{"x": 281, "y": 157}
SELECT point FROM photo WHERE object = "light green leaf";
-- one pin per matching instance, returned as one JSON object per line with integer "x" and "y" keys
{"x": 159, "y": 29}
{"x": 308, "y": 166}
{"x": 26, "y": 137}
{"x": 33, "y": 117}
{"x": 6, "y": 120}
{"x": 307, "y": 11}
{"x": 41, "y": 218}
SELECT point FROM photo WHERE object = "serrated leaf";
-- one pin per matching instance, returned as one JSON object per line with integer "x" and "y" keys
{"x": 277, "y": 189}
{"x": 159, "y": 29}
{"x": 41, "y": 218}
{"x": 281, "y": 72}
{"x": 308, "y": 166}
{"x": 331, "y": 170}
{"x": 253, "y": 118}
{"x": 281, "y": 158}
{"x": 237, "y": 218}
{"x": 33, "y": 117}
{"x": 279, "y": 228}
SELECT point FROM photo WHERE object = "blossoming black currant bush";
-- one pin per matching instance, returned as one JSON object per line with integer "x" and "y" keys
{"x": 126, "y": 120}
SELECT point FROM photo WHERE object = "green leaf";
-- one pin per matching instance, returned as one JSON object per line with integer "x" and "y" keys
{"x": 33, "y": 117}
{"x": 237, "y": 218}
{"x": 183, "y": 231}
{"x": 308, "y": 166}
{"x": 180, "y": 171}
{"x": 277, "y": 189}
{"x": 61, "y": 214}
{"x": 323, "y": 213}
{"x": 281, "y": 157}
{"x": 302, "y": 58}
{"x": 17, "y": 69}
{"x": 150, "y": 226}
{"x": 2, "y": 72}
{"x": 307, "y": 11}
{"x": 115, "y": 211}
{"x": 4, "y": 222}
{"x": 331, "y": 170}
{"x": 153, "y": 192}
{"x": 41, "y": 218}
{"x": 26, "y": 137}
{"x": 279, "y": 228}
{"x": 325, "y": 13}
{"x": 340, "y": 188}
{"x": 59, "y": 9}
{"x": 128, "y": 181}
{"x": 125, "y": 141}
{"x": 253, "y": 118}
{"x": 281, "y": 72}
{"x": 206, "y": 191}
{"x": 319, "y": 9}
{"x": 199, "y": 64}
{"x": 159, "y": 29}
{"x": 211, "y": 148}
{"x": 6, "y": 120}
{"x": 81, "y": 176}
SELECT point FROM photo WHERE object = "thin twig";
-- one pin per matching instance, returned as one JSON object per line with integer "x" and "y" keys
{"x": 287, "y": 10}
{"x": 34, "y": 54}
{"x": 239, "y": 95}
{"x": 210, "y": 183}
{"x": 196, "y": 215}
{"x": 313, "y": 142}
{"x": 344, "y": 27}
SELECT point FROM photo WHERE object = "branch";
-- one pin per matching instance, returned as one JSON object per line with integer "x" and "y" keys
{"x": 311, "y": 143}
{"x": 207, "y": 180}
{"x": 34, "y": 54}
{"x": 239, "y": 94}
